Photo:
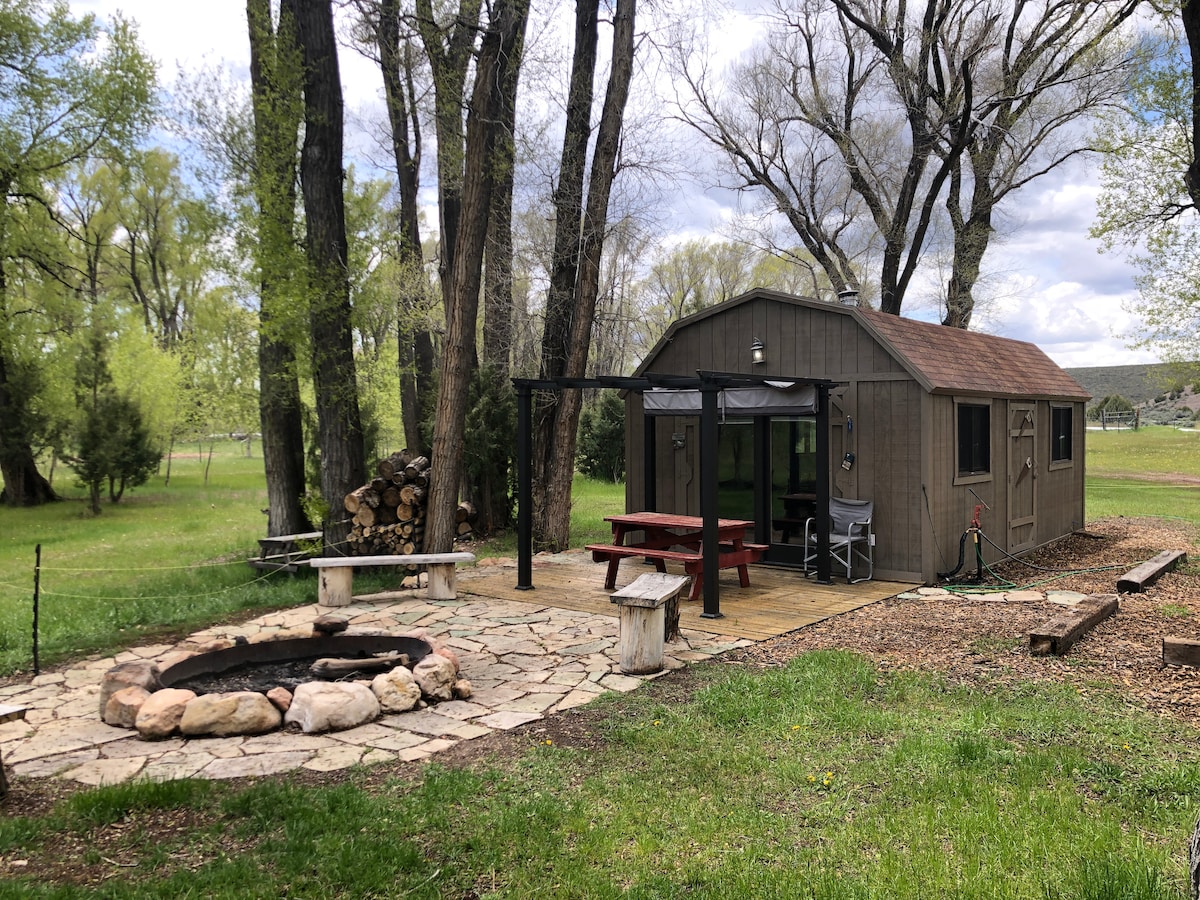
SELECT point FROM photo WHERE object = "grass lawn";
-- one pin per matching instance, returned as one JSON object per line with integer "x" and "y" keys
{"x": 825, "y": 779}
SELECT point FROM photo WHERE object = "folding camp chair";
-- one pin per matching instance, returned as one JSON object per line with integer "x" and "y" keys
{"x": 850, "y": 536}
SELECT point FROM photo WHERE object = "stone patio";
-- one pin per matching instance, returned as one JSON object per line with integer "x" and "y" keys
{"x": 524, "y": 660}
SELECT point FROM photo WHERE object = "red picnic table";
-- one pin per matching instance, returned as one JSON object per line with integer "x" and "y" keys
{"x": 662, "y": 531}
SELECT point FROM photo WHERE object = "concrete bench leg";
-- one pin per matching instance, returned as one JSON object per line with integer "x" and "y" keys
{"x": 441, "y": 581}
{"x": 336, "y": 586}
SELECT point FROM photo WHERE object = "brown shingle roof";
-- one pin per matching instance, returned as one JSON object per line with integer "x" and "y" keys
{"x": 950, "y": 359}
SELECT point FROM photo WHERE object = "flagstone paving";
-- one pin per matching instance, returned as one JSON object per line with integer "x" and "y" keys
{"x": 524, "y": 662}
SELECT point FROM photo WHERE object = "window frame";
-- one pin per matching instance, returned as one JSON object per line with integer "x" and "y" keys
{"x": 1065, "y": 462}
{"x": 972, "y": 475}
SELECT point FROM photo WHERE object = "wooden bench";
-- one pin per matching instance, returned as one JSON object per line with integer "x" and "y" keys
{"x": 693, "y": 561}
{"x": 643, "y": 620}
{"x": 8, "y": 713}
{"x": 283, "y": 553}
{"x": 337, "y": 573}
{"x": 1137, "y": 580}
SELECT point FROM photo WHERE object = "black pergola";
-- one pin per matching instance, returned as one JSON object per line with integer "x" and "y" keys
{"x": 709, "y": 385}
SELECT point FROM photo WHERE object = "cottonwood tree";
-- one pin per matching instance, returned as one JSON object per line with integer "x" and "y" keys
{"x": 275, "y": 66}
{"x": 898, "y": 114}
{"x": 1147, "y": 207}
{"x": 463, "y": 280}
{"x": 343, "y": 467}
{"x": 387, "y": 33}
{"x": 580, "y": 224}
{"x": 72, "y": 91}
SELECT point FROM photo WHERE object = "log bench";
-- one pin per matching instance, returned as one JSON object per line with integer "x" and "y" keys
{"x": 1137, "y": 580}
{"x": 337, "y": 573}
{"x": 693, "y": 561}
{"x": 1058, "y": 635}
{"x": 643, "y": 620}
{"x": 8, "y": 713}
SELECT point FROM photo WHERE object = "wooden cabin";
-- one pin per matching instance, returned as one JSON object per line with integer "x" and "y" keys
{"x": 935, "y": 425}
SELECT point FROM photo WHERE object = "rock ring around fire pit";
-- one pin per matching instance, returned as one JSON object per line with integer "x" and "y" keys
{"x": 245, "y": 688}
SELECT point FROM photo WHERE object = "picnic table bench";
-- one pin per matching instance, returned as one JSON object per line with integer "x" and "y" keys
{"x": 284, "y": 553}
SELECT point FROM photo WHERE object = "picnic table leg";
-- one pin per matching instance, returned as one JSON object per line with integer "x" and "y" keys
{"x": 610, "y": 580}
{"x": 744, "y": 575}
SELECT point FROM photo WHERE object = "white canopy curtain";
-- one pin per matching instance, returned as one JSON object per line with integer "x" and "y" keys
{"x": 771, "y": 398}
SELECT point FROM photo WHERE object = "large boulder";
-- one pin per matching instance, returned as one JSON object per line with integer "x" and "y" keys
{"x": 331, "y": 706}
{"x": 143, "y": 674}
{"x": 160, "y": 715}
{"x": 436, "y": 675}
{"x": 240, "y": 712}
{"x": 122, "y": 707}
{"x": 397, "y": 691}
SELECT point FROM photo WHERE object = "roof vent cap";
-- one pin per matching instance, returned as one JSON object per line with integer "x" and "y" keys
{"x": 848, "y": 297}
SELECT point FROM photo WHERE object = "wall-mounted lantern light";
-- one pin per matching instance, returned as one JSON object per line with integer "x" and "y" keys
{"x": 758, "y": 352}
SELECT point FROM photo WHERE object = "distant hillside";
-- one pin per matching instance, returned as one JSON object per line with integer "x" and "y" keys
{"x": 1137, "y": 384}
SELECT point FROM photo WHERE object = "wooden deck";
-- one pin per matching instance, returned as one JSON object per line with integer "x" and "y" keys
{"x": 778, "y": 600}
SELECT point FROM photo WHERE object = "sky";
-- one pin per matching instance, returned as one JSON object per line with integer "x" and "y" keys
{"x": 1053, "y": 287}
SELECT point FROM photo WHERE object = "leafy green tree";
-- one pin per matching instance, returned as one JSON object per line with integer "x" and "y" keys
{"x": 602, "y": 438}
{"x": 110, "y": 443}
{"x": 71, "y": 91}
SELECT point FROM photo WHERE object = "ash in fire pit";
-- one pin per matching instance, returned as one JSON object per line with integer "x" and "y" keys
{"x": 254, "y": 676}
{"x": 287, "y": 663}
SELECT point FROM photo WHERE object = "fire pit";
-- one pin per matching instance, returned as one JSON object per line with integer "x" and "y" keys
{"x": 286, "y": 663}
{"x": 326, "y": 682}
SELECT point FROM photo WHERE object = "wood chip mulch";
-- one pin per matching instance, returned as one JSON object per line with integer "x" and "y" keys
{"x": 974, "y": 638}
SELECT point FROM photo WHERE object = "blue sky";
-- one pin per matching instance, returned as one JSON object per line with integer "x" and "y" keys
{"x": 1051, "y": 285}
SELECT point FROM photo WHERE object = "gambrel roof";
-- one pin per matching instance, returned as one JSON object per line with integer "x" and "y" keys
{"x": 942, "y": 360}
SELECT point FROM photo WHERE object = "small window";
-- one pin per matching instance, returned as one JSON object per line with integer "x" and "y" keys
{"x": 974, "y": 439}
{"x": 1060, "y": 433}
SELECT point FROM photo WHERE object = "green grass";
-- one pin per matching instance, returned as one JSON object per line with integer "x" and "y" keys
{"x": 1155, "y": 450}
{"x": 164, "y": 558}
{"x": 827, "y": 778}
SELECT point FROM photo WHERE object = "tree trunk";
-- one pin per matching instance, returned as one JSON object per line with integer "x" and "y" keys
{"x": 568, "y": 337}
{"x": 343, "y": 466}
{"x": 449, "y": 56}
{"x": 276, "y": 101}
{"x": 24, "y": 485}
{"x": 396, "y": 65}
{"x": 1191, "y": 27}
{"x": 498, "y": 50}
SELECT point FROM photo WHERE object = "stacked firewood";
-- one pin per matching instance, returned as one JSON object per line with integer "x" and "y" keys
{"x": 389, "y": 513}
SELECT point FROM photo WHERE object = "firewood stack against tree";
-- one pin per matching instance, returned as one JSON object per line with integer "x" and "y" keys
{"x": 389, "y": 512}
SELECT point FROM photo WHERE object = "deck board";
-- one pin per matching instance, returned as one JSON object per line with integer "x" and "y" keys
{"x": 778, "y": 600}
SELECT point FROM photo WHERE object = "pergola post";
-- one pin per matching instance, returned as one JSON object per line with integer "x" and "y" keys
{"x": 709, "y": 485}
{"x": 824, "y": 572}
{"x": 524, "y": 486}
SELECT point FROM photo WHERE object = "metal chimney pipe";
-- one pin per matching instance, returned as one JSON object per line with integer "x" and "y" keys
{"x": 848, "y": 297}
